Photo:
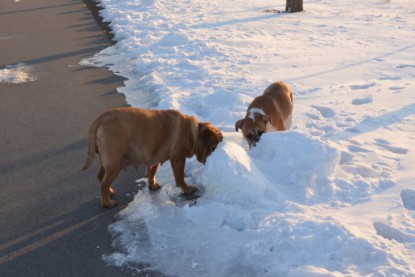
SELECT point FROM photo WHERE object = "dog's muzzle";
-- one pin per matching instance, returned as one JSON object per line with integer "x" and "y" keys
{"x": 254, "y": 138}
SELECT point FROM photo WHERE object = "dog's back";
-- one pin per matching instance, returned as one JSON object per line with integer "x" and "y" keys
{"x": 282, "y": 94}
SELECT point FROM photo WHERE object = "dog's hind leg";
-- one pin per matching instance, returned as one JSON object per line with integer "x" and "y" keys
{"x": 111, "y": 153}
{"x": 106, "y": 190}
{"x": 151, "y": 177}
{"x": 100, "y": 176}
{"x": 100, "y": 173}
{"x": 108, "y": 171}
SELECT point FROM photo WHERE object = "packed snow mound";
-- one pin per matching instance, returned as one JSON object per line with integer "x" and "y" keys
{"x": 287, "y": 163}
{"x": 251, "y": 217}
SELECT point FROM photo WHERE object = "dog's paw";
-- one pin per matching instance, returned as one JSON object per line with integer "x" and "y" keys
{"x": 154, "y": 187}
{"x": 189, "y": 189}
{"x": 190, "y": 199}
{"x": 109, "y": 205}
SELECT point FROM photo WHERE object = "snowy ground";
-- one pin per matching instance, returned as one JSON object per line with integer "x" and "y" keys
{"x": 333, "y": 196}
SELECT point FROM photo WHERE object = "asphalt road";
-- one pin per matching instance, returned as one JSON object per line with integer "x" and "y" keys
{"x": 51, "y": 221}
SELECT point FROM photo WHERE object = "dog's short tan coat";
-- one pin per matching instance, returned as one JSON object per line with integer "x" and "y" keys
{"x": 132, "y": 136}
{"x": 271, "y": 111}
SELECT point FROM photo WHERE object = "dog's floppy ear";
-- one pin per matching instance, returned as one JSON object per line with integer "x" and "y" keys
{"x": 208, "y": 137}
{"x": 238, "y": 124}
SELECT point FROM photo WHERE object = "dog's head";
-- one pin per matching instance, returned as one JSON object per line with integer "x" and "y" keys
{"x": 208, "y": 138}
{"x": 252, "y": 129}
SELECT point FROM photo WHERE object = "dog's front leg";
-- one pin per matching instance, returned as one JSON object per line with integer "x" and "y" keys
{"x": 177, "y": 165}
{"x": 151, "y": 177}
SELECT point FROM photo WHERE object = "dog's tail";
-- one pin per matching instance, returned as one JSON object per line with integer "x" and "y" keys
{"x": 92, "y": 136}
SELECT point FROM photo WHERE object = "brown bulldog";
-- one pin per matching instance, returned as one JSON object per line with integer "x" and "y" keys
{"x": 131, "y": 136}
{"x": 272, "y": 111}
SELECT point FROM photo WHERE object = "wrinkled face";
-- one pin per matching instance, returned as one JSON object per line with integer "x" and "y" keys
{"x": 252, "y": 129}
{"x": 208, "y": 138}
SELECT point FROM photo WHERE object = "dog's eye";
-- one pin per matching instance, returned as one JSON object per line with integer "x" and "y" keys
{"x": 250, "y": 136}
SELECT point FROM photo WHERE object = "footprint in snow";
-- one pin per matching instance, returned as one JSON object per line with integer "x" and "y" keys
{"x": 362, "y": 101}
{"x": 364, "y": 86}
{"x": 313, "y": 116}
{"x": 396, "y": 88}
{"x": 408, "y": 199}
{"x": 357, "y": 149}
{"x": 326, "y": 112}
{"x": 308, "y": 91}
{"x": 386, "y": 145}
{"x": 390, "y": 78}
{"x": 391, "y": 233}
{"x": 406, "y": 65}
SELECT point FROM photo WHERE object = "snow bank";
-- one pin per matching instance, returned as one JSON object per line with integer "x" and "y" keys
{"x": 334, "y": 196}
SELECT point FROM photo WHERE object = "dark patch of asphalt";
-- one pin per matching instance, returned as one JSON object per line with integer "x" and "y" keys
{"x": 51, "y": 221}
{"x": 95, "y": 9}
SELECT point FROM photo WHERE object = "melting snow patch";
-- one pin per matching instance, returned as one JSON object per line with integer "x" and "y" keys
{"x": 19, "y": 73}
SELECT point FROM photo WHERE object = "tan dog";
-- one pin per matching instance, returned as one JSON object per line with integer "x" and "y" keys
{"x": 131, "y": 136}
{"x": 272, "y": 111}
